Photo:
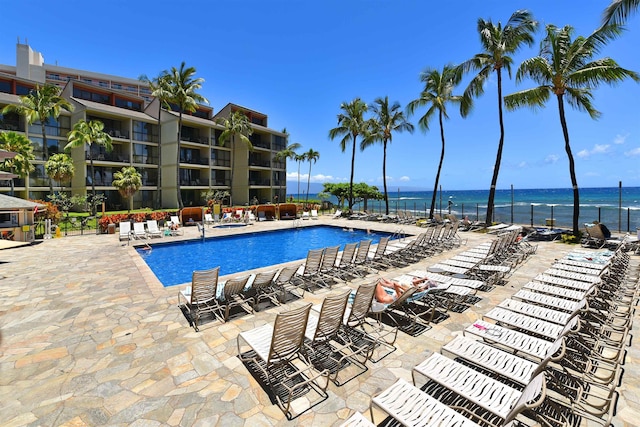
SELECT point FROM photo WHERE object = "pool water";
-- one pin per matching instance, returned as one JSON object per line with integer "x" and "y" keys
{"x": 173, "y": 263}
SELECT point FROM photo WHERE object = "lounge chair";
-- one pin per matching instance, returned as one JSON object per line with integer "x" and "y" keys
{"x": 232, "y": 294}
{"x": 357, "y": 420}
{"x": 273, "y": 349}
{"x": 125, "y": 231}
{"x": 311, "y": 272}
{"x": 314, "y": 214}
{"x": 200, "y": 297}
{"x": 227, "y": 217}
{"x": 208, "y": 219}
{"x": 138, "y": 231}
{"x": 175, "y": 228}
{"x": 152, "y": 228}
{"x": 305, "y": 215}
{"x": 337, "y": 214}
{"x": 481, "y": 391}
{"x": 264, "y": 287}
{"x": 323, "y": 345}
{"x": 285, "y": 281}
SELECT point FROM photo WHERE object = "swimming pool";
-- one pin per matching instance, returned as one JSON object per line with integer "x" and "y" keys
{"x": 173, "y": 263}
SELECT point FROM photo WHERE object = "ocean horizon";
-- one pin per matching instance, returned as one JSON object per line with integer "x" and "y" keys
{"x": 618, "y": 208}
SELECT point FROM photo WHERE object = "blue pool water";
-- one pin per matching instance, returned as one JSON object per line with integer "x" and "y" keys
{"x": 173, "y": 263}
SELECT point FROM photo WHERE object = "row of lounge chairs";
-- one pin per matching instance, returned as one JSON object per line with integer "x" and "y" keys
{"x": 139, "y": 230}
{"x": 550, "y": 355}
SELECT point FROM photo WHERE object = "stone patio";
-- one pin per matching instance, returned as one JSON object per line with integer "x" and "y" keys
{"x": 88, "y": 336}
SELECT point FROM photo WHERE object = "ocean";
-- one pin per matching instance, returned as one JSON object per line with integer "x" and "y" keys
{"x": 617, "y": 208}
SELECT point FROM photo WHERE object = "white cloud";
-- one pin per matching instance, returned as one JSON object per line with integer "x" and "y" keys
{"x": 405, "y": 178}
{"x": 620, "y": 139}
{"x": 597, "y": 149}
{"x": 633, "y": 153}
{"x": 292, "y": 175}
{"x": 600, "y": 148}
{"x": 551, "y": 158}
{"x": 522, "y": 164}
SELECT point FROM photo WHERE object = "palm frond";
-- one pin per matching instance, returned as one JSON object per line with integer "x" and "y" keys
{"x": 581, "y": 100}
{"x": 533, "y": 98}
{"x": 619, "y": 10}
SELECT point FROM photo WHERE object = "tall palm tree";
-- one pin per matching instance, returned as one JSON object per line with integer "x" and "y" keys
{"x": 387, "y": 120}
{"x": 618, "y": 11}
{"x": 498, "y": 43}
{"x": 310, "y": 156}
{"x": 179, "y": 88}
{"x": 20, "y": 164}
{"x": 41, "y": 104}
{"x": 89, "y": 133}
{"x": 236, "y": 125}
{"x": 60, "y": 168}
{"x": 159, "y": 87}
{"x": 437, "y": 93}
{"x": 128, "y": 181}
{"x": 351, "y": 124}
{"x": 289, "y": 153}
{"x": 299, "y": 158}
{"x": 566, "y": 68}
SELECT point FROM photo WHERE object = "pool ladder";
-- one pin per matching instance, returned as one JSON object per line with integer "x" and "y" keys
{"x": 399, "y": 234}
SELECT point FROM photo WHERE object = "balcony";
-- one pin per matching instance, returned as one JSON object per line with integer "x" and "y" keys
{"x": 260, "y": 163}
{"x": 116, "y": 156}
{"x": 195, "y": 138}
{"x": 11, "y": 126}
{"x": 144, "y": 159}
{"x": 260, "y": 182}
{"x": 117, "y": 133}
{"x": 145, "y": 137}
{"x": 194, "y": 183}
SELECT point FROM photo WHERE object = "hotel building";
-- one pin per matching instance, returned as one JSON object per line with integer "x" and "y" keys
{"x": 144, "y": 136}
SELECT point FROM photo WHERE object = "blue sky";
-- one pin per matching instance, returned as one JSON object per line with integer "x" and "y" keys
{"x": 297, "y": 61}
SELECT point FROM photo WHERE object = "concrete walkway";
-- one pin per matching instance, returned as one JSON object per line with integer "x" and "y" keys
{"x": 88, "y": 336}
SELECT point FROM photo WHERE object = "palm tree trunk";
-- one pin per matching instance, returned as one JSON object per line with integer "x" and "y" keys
{"x": 233, "y": 168}
{"x": 159, "y": 191}
{"x": 435, "y": 185}
{"x": 496, "y": 167}
{"x": 308, "y": 182}
{"x": 353, "y": 165}
{"x": 45, "y": 149}
{"x": 299, "y": 179}
{"x": 179, "y": 193}
{"x": 93, "y": 184}
{"x": 384, "y": 176}
{"x": 572, "y": 167}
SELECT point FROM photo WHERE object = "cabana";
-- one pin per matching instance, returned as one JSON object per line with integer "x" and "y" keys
{"x": 269, "y": 212}
{"x": 288, "y": 210}
{"x": 191, "y": 215}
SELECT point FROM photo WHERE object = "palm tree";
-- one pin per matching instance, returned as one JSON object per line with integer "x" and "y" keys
{"x": 159, "y": 89}
{"x": 41, "y": 104}
{"x": 20, "y": 164}
{"x": 289, "y": 153}
{"x": 437, "y": 93}
{"x": 386, "y": 121}
{"x": 566, "y": 68}
{"x": 310, "y": 156}
{"x": 618, "y": 11}
{"x": 498, "y": 44}
{"x": 351, "y": 124}
{"x": 128, "y": 181}
{"x": 179, "y": 88}
{"x": 299, "y": 158}
{"x": 89, "y": 133}
{"x": 236, "y": 125}
{"x": 60, "y": 168}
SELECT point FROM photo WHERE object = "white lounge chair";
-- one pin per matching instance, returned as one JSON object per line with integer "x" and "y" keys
{"x": 305, "y": 215}
{"x": 337, "y": 214}
{"x": 200, "y": 297}
{"x": 138, "y": 230}
{"x": 208, "y": 219}
{"x": 314, "y": 214}
{"x": 152, "y": 228}
{"x": 125, "y": 231}
{"x": 175, "y": 227}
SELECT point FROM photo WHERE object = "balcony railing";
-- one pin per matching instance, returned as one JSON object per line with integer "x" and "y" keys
{"x": 148, "y": 160}
{"x": 145, "y": 137}
{"x": 261, "y": 144}
{"x": 260, "y": 182}
{"x": 14, "y": 126}
{"x": 109, "y": 157}
{"x": 116, "y": 133}
{"x": 261, "y": 163}
{"x": 196, "y": 139}
{"x": 193, "y": 182}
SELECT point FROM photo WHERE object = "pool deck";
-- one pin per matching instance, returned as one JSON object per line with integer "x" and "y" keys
{"x": 89, "y": 336}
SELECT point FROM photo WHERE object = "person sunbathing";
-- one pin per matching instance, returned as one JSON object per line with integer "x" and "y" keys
{"x": 385, "y": 297}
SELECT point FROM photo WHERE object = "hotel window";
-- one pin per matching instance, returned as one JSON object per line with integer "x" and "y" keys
{"x": 87, "y": 80}
{"x": 23, "y": 90}
{"x": 5, "y": 86}
{"x": 116, "y": 86}
{"x": 103, "y": 84}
